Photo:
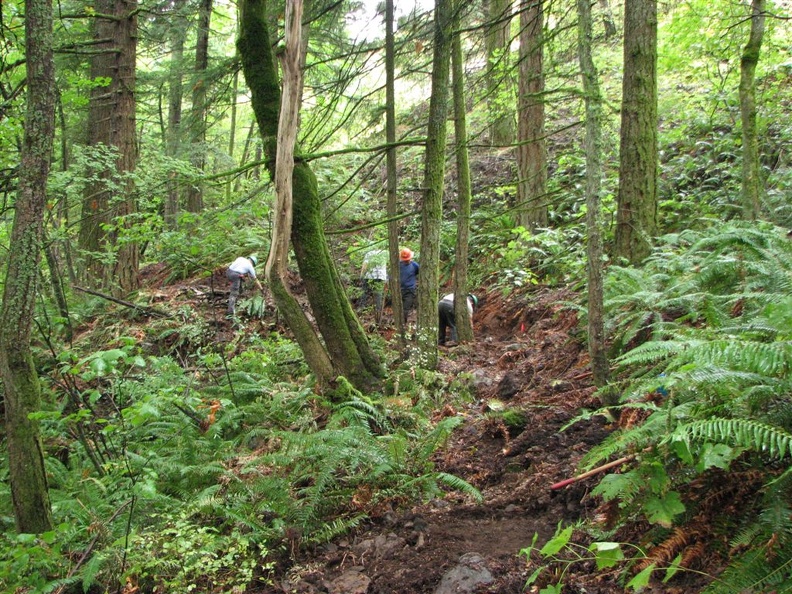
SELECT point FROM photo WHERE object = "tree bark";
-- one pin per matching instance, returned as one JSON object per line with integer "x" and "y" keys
{"x": 751, "y": 179}
{"x": 462, "y": 319}
{"x": 111, "y": 122}
{"x": 607, "y": 19}
{"x": 434, "y": 171}
{"x": 175, "y": 95}
{"x": 392, "y": 202}
{"x": 32, "y": 511}
{"x": 593, "y": 144}
{"x": 497, "y": 38}
{"x": 198, "y": 111}
{"x": 532, "y": 211}
{"x": 345, "y": 340}
{"x": 636, "y": 223}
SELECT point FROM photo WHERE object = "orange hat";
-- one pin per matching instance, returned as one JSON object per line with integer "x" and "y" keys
{"x": 405, "y": 255}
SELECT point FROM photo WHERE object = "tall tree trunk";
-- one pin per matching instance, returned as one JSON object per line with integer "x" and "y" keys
{"x": 434, "y": 162}
{"x": 497, "y": 38}
{"x": 345, "y": 340}
{"x": 593, "y": 101}
{"x": 277, "y": 263}
{"x": 464, "y": 327}
{"x": 751, "y": 180}
{"x": 111, "y": 122}
{"x": 607, "y": 19}
{"x": 392, "y": 203}
{"x": 532, "y": 147}
{"x": 32, "y": 511}
{"x": 636, "y": 218}
{"x": 232, "y": 127}
{"x": 175, "y": 95}
{"x": 199, "y": 107}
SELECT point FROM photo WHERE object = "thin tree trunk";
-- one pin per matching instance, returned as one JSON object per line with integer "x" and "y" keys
{"x": 392, "y": 203}
{"x": 232, "y": 125}
{"x": 58, "y": 292}
{"x": 593, "y": 143}
{"x": 277, "y": 269}
{"x": 464, "y": 327}
{"x": 636, "y": 218}
{"x": 532, "y": 212}
{"x": 432, "y": 210}
{"x": 607, "y": 19}
{"x": 751, "y": 179}
{"x": 345, "y": 340}
{"x": 199, "y": 107}
{"x": 175, "y": 96}
{"x": 28, "y": 478}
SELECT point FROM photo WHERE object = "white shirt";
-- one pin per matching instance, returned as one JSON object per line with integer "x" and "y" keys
{"x": 243, "y": 266}
{"x": 375, "y": 265}
{"x": 450, "y": 299}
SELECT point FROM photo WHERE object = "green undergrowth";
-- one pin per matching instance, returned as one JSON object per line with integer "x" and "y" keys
{"x": 701, "y": 339}
{"x": 204, "y": 474}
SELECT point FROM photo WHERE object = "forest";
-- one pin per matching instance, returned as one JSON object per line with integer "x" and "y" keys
{"x": 601, "y": 188}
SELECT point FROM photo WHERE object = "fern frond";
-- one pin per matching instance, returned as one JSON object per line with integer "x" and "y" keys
{"x": 459, "y": 484}
{"x": 746, "y": 433}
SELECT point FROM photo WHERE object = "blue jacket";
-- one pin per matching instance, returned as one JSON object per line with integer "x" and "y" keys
{"x": 408, "y": 275}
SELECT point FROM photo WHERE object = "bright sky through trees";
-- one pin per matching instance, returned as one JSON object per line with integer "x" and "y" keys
{"x": 368, "y": 22}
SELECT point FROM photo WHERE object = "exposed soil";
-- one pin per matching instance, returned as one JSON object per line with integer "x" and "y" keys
{"x": 529, "y": 356}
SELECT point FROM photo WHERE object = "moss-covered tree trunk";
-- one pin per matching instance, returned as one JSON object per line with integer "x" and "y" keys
{"x": 344, "y": 338}
{"x": 277, "y": 263}
{"x": 593, "y": 101}
{"x": 532, "y": 211}
{"x": 20, "y": 380}
{"x": 463, "y": 324}
{"x": 434, "y": 162}
{"x": 636, "y": 218}
{"x": 751, "y": 181}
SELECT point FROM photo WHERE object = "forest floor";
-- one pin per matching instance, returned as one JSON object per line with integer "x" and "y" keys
{"x": 529, "y": 355}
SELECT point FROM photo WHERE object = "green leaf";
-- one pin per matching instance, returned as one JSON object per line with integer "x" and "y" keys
{"x": 717, "y": 455}
{"x": 616, "y": 485}
{"x": 534, "y": 576}
{"x": 641, "y": 580}
{"x": 558, "y": 542}
{"x": 673, "y": 568}
{"x": 662, "y": 510}
{"x": 657, "y": 476}
{"x": 682, "y": 451}
{"x": 607, "y": 554}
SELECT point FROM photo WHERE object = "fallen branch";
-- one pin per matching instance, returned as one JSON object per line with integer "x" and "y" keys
{"x": 592, "y": 472}
{"x": 144, "y": 309}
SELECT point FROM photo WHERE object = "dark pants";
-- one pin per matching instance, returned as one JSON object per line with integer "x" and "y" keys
{"x": 445, "y": 311}
{"x": 236, "y": 288}
{"x": 408, "y": 301}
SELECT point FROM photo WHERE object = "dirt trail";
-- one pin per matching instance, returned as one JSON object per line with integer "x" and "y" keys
{"x": 528, "y": 356}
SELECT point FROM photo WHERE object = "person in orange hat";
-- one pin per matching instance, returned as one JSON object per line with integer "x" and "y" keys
{"x": 408, "y": 279}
